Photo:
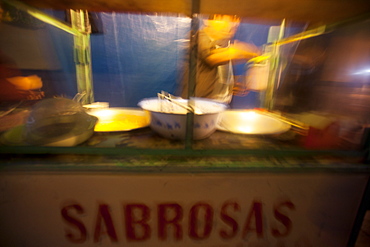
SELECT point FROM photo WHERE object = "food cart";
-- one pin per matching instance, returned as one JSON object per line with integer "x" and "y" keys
{"x": 286, "y": 164}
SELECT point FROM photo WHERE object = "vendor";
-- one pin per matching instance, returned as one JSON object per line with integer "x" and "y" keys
{"x": 215, "y": 54}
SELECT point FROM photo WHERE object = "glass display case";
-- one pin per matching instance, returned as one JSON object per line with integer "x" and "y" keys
{"x": 118, "y": 95}
{"x": 283, "y": 99}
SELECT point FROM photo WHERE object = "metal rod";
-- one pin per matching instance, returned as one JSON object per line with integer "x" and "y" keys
{"x": 322, "y": 29}
{"x": 42, "y": 16}
{"x": 79, "y": 19}
{"x": 192, "y": 71}
{"x": 301, "y": 36}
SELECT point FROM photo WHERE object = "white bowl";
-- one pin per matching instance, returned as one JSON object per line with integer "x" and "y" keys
{"x": 169, "y": 119}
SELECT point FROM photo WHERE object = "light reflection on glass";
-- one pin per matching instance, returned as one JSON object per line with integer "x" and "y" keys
{"x": 362, "y": 72}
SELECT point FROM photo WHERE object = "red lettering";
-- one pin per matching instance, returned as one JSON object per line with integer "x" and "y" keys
{"x": 104, "y": 216}
{"x": 137, "y": 227}
{"x": 164, "y": 220}
{"x": 195, "y": 222}
{"x": 229, "y": 220}
{"x": 81, "y": 237}
{"x": 256, "y": 214}
{"x": 287, "y": 223}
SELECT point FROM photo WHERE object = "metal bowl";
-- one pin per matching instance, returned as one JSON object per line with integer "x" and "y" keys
{"x": 58, "y": 122}
{"x": 61, "y": 130}
{"x": 251, "y": 122}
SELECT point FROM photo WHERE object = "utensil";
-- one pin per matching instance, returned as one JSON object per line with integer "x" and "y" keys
{"x": 164, "y": 95}
{"x": 11, "y": 109}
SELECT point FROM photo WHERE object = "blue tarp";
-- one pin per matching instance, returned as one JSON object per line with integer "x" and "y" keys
{"x": 137, "y": 56}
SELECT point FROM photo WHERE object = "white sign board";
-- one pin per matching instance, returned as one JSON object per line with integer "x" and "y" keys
{"x": 254, "y": 210}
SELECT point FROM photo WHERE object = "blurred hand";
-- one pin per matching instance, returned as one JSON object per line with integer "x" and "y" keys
{"x": 32, "y": 95}
{"x": 245, "y": 50}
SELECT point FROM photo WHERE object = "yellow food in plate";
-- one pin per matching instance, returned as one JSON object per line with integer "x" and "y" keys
{"x": 122, "y": 122}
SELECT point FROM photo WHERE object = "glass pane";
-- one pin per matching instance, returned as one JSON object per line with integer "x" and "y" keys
{"x": 37, "y": 62}
{"x": 324, "y": 83}
{"x": 302, "y": 95}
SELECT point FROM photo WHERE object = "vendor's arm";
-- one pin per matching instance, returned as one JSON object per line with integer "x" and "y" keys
{"x": 237, "y": 52}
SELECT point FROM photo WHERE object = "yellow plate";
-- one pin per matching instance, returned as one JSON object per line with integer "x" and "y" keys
{"x": 120, "y": 119}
